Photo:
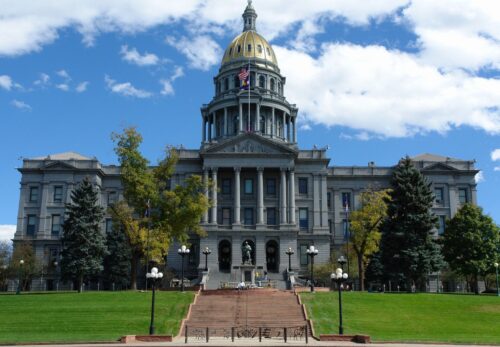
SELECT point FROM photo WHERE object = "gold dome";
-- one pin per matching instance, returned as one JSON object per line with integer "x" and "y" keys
{"x": 249, "y": 45}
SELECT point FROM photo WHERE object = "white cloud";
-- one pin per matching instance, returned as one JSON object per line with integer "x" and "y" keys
{"x": 167, "y": 87}
{"x": 63, "y": 86}
{"x": 479, "y": 177}
{"x": 64, "y": 74}
{"x": 21, "y": 105}
{"x": 81, "y": 87}
{"x": 497, "y": 168}
{"x": 386, "y": 92}
{"x": 5, "y": 82}
{"x": 126, "y": 88}
{"x": 134, "y": 57}
{"x": 43, "y": 80}
{"x": 201, "y": 51}
{"x": 7, "y": 232}
{"x": 495, "y": 154}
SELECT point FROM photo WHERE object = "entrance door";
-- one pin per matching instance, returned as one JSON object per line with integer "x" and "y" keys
{"x": 225, "y": 256}
{"x": 272, "y": 256}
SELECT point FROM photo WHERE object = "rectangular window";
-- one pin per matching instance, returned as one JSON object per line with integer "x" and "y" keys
{"x": 271, "y": 216}
{"x": 302, "y": 185}
{"x": 328, "y": 198}
{"x": 111, "y": 198}
{"x": 30, "y": 228}
{"x": 438, "y": 193}
{"x": 303, "y": 255}
{"x": 248, "y": 216}
{"x": 248, "y": 189}
{"x": 193, "y": 255}
{"x": 33, "y": 194}
{"x": 303, "y": 218}
{"x": 330, "y": 226}
{"x": 109, "y": 225}
{"x": 271, "y": 186}
{"x": 226, "y": 216}
{"x": 442, "y": 225}
{"x": 58, "y": 194}
{"x": 462, "y": 196}
{"x": 226, "y": 186}
{"x": 56, "y": 224}
{"x": 346, "y": 201}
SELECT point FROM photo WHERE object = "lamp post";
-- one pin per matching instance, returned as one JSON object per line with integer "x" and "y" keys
{"x": 289, "y": 252}
{"x": 339, "y": 277}
{"x": 55, "y": 263}
{"x": 21, "y": 263}
{"x": 206, "y": 251}
{"x": 498, "y": 287}
{"x": 4, "y": 274}
{"x": 312, "y": 252}
{"x": 182, "y": 252}
{"x": 154, "y": 276}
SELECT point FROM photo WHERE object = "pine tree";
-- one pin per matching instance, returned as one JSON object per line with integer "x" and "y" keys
{"x": 408, "y": 250}
{"x": 83, "y": 244}
{"x": 117, "y": 262}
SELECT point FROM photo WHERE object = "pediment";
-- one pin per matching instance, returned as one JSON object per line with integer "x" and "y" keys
{"x": 246, "y": 144}
{"x": 439, "y": 167}
{"x": 58, "y": 165}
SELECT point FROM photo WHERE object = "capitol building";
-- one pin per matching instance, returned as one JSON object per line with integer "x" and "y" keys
{"x": 268, "y": 191}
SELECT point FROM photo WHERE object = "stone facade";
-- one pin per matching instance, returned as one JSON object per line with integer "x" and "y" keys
{"x": 268, "y": 191}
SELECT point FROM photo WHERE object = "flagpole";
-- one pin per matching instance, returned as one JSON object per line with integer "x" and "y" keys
{"x": 249, "y": 126}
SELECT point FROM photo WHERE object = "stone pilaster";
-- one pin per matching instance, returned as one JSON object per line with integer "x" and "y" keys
{"x": 316, "y": 202}
{"x": 324, "y": 202}
{"x": 260, "y": 196}
{"x": 214, "y": 195}
{"x": 224, "y": 133}
{"x": 205, "y": 181}
{"x": 273, "y": 123}
{"x": 237, "y": 202}
{"x": 292, "y": 196}
{"x": 283, "y": 196}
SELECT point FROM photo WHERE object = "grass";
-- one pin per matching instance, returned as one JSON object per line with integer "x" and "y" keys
{"x": 90, "y": 316}
{"x": 408, "y": 317}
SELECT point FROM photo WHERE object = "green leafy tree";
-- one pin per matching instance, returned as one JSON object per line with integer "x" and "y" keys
{"x": 5, "y": 255}
{"x": 408, "y": 249}
{"x": 364, "y": 227}
{"x": 471, "y": 243}
{"x": 26, "y": 272}
{"x": 117, "y": 262}
{"x": 83, "y": 244}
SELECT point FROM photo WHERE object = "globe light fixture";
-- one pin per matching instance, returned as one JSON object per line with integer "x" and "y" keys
{"x": 21, "y": 263}
{"x": 496, "y": 270}
{"x": 182, "y": 252}
{"x": 312, "y": 252}
{"x": 289, "y": 252}
{"x": 206, "y": 252}
{"x": 339, "y": 277}
{"x": 153, "y": 276}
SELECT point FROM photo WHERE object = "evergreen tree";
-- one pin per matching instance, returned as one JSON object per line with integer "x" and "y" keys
{"x": 470, "y": 243}
{"x": 83, "y": 244}
{"x": 117, "y": 262}
{"x": 408, "y": 250}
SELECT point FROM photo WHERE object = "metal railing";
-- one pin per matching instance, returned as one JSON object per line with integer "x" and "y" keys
{"x": 291, "y": 333}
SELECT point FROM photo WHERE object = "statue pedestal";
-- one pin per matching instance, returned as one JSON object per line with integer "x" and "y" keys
{"x": 248, "y": 273}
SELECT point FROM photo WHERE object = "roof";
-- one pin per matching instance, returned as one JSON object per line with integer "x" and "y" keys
{"x": 249, "y": 45}
{"x": 63, "y": 156}
{"x": 433, "y": 157}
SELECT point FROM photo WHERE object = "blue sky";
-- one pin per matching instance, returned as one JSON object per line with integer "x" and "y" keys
{"x": 374, "y": 80}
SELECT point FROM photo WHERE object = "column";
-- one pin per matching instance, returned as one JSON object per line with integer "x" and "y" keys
{"x": 203, "y": 129}
{"x": 284, "y": 125}
{"x": 214, "y": 195}
{"x": 260, "y": 195}
{"x": 214, "y": 124}
{"x": 240, "y": 118}
{"x": 324, "y": 202}
{"x": 209, "y": 130}
{"x": 257, "y": 121}
{"x": 273, "y": 123}
{"x": 283, "y": 196}
{"x": 292, "y": 196}
{"x": 237, "y": 196}
{"x": 224, "y": 133}
{"x": 295, "y": 130}
{"x": 288, "y": 136}
{"x": 42, "y": 227}
{"x": 205, "y": 181}
{"x": 316, "y": 197}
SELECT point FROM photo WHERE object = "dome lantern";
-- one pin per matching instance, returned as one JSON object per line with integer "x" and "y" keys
{"x": 249, "y": 17}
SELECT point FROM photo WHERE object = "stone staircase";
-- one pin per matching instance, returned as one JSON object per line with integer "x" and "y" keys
{"x": 219, "y": 311}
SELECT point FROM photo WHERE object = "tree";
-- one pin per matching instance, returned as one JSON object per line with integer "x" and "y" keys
{"x": 83, "y": 244}
{"x": 408, "y": 250}
{"x": 5, "y": 255}
{"x": 364, "y": 226}
{"x": 117, "y": 262}
{"x": 471, "y": 242}
{"x": 23, "y": 250}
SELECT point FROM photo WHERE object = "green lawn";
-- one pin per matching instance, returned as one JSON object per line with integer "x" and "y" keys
{"x": 91, "y": 316}
{"x": 408, "y": 317}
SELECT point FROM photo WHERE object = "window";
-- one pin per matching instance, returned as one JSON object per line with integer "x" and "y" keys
{"x": 262, "y": 81}
{"x": 58, "y": 193}
{"x": 271, "y": 216}
{"x": 230, "y": 50}
{"x": 193, "y": 255}
{"x": 328, "y": 199}
{"x": 226, "y": 186}
{"x": 346, "y": 201}
{"x": 259, "y": 48}
{"x": 268, "y": 51}
{"x": 304, "y": 260}
{"x": 56, "y": 224}
{"x": 438, "y": 193}
{"x": 271, "y": 186}
{"x": 236, "y": 81}
{"x": 30, "y": 228}
{"x": 462, "y": 196}
{"x": 279, "y": 89}
{"x": 302, "y": 185}
{"x": 226, "y": 216}
{"x": 226, "y": 83}
{"x": 442, "y": 225}
{"x": 111, "y": 198}
{"x": 248, "y": 189}
{"x": 239, "y": 49}
{"x": 248, "y": 216}
{"x": 33, "y": 194}
{"x": 109, "y": 225}
{"x": 303, "y": 218}
{"x": 249, "y": 48}
{"x": 330, "y": 226}
{"x": 273, "y": 84}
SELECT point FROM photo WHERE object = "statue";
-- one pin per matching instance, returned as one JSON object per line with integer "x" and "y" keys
{"x": 246, "y": 250}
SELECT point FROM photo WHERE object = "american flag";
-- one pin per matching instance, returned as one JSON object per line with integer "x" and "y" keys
{"x": 244, "y": 78}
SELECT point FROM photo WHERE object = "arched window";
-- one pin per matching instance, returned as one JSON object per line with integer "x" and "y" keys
{"x": 249, "y": 48}
{"x": 262, "y": 81}
{"x": 279, "y": 89}
{"x": 226, "y": 83}
{"x": 236, "y": 81}
{"x": 239, "y": 49}
{"x": 230, "y": 50}
{"x": 273, "y": 84}
{"x": 279, "y": 127}
{"x": 259, "y": 49}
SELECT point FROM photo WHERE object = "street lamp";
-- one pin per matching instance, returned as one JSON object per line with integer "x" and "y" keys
{"x": 289, "y": 252}
{"x": 339, "y": 277}
{"x": 182, "y": 252}
{"x": 55, "y": 263}
{"x": 154, "y": 276}
{"x": 312, "y": 252}
{"x": 206, "y": 251}
{"x": 498, "y": 287}
{"x": 21, "y": 263}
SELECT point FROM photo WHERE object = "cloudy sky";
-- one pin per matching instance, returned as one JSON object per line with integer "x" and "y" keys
{"x": 373, "y": 79}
